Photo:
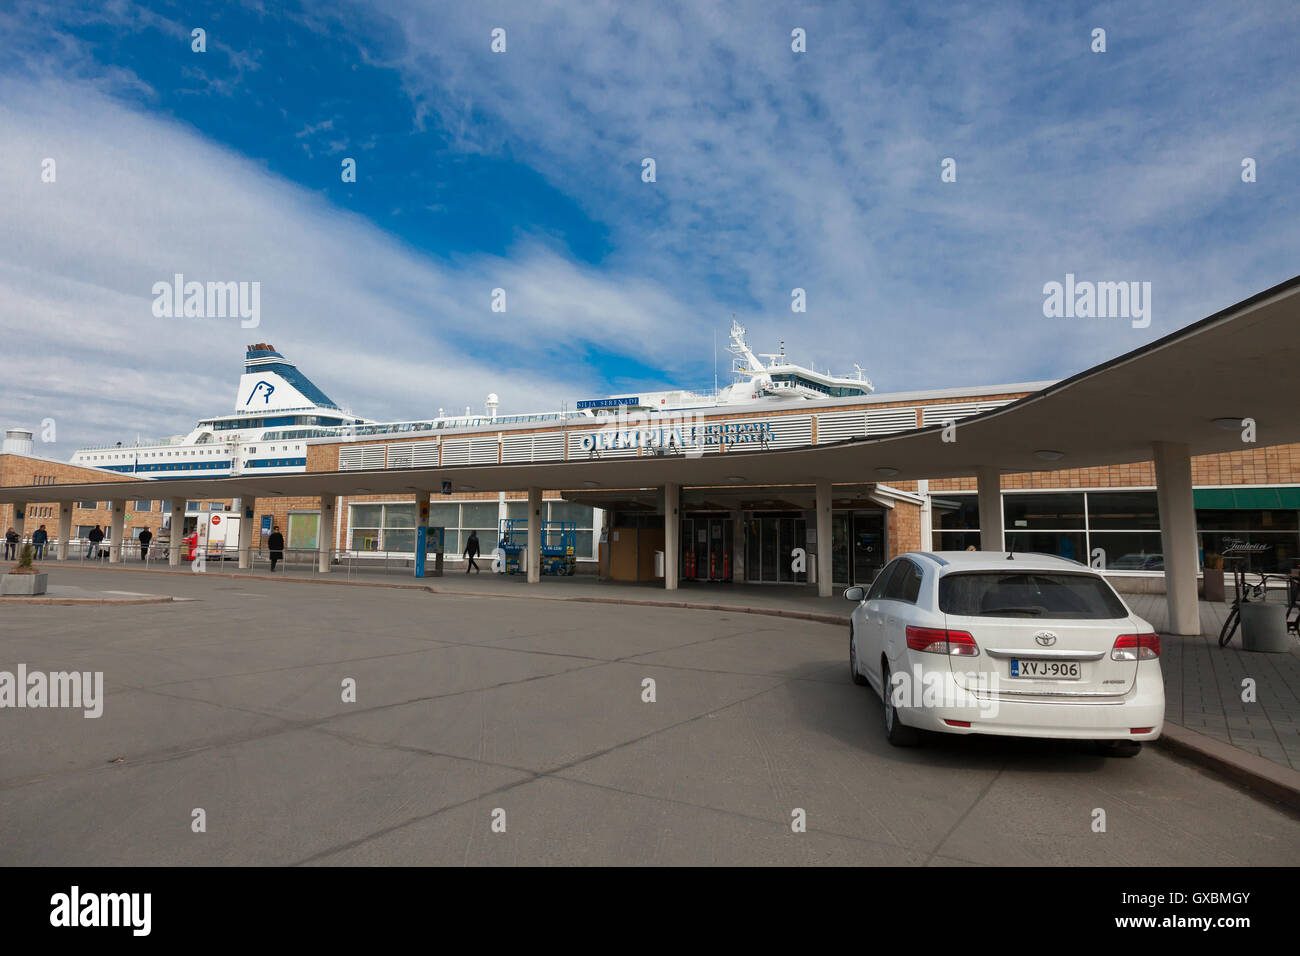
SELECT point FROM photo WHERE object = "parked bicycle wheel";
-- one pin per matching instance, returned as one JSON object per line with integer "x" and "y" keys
{"x": 1230, "y": 625}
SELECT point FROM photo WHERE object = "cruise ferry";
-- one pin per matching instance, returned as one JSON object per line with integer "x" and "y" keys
{"x": 278, "y": 411}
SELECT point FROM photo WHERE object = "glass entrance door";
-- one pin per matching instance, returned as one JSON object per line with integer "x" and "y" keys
{"x": 770, "y": 549}
{"x": 868, "y": 546}
{"x": 706, "y": 549}
{"x": 858, "y": 550}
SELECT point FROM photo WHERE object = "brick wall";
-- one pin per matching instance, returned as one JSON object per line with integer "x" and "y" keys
{"x": 21, "y": 470}
{"x": 904, "y": 529}
{"x": 1277, "y": 465}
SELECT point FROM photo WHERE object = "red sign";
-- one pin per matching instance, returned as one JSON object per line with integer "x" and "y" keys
{"x": 216, "y": 519}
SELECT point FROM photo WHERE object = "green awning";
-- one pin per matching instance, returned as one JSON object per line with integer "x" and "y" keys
{"x": 1223, "y": 499}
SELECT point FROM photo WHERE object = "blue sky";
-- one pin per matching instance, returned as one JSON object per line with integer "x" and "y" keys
{"x": 521, "y": 170}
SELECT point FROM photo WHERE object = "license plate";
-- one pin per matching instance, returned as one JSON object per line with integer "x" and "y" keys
{"x": 1045, "y": 670}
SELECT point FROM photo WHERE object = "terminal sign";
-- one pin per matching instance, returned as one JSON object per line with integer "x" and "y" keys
{"x": 728, "y": 433}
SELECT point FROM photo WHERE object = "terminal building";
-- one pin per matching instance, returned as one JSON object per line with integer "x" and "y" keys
{"x": 744, "y": 511}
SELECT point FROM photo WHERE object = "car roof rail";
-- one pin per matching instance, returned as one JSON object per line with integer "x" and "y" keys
{"x": 932, "y": 556}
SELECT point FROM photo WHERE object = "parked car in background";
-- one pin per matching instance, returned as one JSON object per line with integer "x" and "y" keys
{"x": 1138, "y": 562}
{"x": 1015, "y": 644}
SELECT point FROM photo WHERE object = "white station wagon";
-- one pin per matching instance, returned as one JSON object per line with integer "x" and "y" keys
{"x": 988, "y": 642}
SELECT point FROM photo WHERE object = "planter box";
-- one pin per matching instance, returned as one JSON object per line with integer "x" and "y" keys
{"x": 1213, "y": 578}
{"x": 24, "y": 585}
{"x": 1263, "y": 627}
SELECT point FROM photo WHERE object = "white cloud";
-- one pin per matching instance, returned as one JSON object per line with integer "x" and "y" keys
{"x": 379, "y": 326}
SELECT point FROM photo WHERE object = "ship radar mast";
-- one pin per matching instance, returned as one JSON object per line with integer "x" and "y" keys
{"x": 749, "y": 362}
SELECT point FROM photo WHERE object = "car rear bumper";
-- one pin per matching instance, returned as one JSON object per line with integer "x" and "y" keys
{"x": 1110, "y": 718}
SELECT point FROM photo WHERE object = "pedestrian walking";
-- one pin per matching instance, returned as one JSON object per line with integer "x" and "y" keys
{"x": 472, "y": 551}
{"x": 145, "y": 537}
{"x": 40, "y": 537}
{"x": 95, "y": 536}
{"x": 11, "y": 543}
{"x": 276, "y": 545}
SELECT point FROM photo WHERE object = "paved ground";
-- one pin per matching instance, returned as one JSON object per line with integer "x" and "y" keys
{"x": 1204, "y": 685}
{"x": 229, "y": 700}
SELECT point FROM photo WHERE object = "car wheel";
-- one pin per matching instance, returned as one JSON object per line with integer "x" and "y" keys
{"x": 853, "y": 661}
{"x": 896, "y": 732}
{"x": 1119, "y": 748}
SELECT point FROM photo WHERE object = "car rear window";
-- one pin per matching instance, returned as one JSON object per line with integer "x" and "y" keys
{"x": 1027, "y": 594}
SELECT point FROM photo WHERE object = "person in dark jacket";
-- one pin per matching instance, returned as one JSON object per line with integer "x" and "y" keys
{"x": 11, "y": 543}
{"x": 275, "y": 544}
{"x": 145, "y": 537}
{"x": 39, "y": 539}
{"x": 472, "y": 551}
{"x": 95, "y": 536}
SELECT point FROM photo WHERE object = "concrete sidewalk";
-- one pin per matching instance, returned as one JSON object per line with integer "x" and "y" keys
{"x": 1256, "y": 742}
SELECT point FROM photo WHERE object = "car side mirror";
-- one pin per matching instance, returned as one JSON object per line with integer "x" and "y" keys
{"x": 854, "y": 594}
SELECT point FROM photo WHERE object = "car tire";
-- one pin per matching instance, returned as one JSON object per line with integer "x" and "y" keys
{"x": 1119, "y": 748}
{"x": 896, "y": 732}
{"x": 853, "y": 662}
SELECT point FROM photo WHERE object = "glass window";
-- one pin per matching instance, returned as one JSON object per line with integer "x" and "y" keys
{"x": 905, "y": 583}
{"x": 955, "y": 512}
{"x": 1043, "y": 511}
{"x": 144, "y": 506}
{"x": 881, "y": 581}
{"x": 443, "y": 515}
{"x": 399, "y": 539}
{"x": 478, "y": 514}
{"x": 365, "y": 539}
{"x": 1028, "y": 594}
{"x": 1063, "y": 544}
{"x": 367, "y": 516}
{"x": 399, "y": 516}
{"x": 517, "y": 510}
{"x": 1128, "y": 551}
{"x": 956, "y": 540}
{"x": 580, "y": 514}
{"x": 1252, "y": 550}
{"x": 912, "y": 583}
{"x": 1123, "y": 510}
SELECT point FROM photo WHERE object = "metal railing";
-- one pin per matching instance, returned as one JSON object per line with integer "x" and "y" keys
{"x": 157, "y": 555}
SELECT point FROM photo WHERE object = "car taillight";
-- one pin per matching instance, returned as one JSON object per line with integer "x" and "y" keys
{"x": 938, "y": 640}
{"x": 1136, "y": 647}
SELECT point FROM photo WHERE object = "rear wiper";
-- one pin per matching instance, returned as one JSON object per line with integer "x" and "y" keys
{"x": 1031, "y": 609}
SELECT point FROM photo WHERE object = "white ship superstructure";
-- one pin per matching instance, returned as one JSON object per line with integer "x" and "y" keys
{"x": 279, "y": 411}
{"x": 776, "y": 380}
{"x": 276, "y": 409}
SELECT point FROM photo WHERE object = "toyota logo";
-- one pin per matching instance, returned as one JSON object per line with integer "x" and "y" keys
{"x": 1045, "y": 638}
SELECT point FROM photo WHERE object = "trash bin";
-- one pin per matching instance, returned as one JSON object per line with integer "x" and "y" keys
{"x": 1263, "y": 627}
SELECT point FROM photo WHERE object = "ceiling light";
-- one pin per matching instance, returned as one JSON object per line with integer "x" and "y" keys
{"x": 735, "y": 479}
{"x": 886, "y": 472}
{"x": 592, "y": 484}
{"x": 1048, "y": 455}
{"x": 1231, "y": 424}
